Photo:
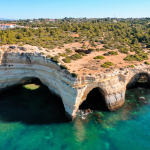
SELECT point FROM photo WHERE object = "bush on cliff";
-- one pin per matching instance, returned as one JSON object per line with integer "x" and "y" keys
{"x": 82, "y": 53}
{"x": 63, "y": 54}
{"x": 42, "y": 53}
{"x": 124, "y": 50}
{"x": 91, "y": 49}
{"x": 139, "y": 57}
{"x": 63, "y": 67}
{"x": 99, "y": 57}
{"x": 109, "y": 63}
{"x": 67, "y": 60}
{"x": 147, "y": 63}
{"x": 55, "y": 59}
{"x": 74, "y": 75}
{"x": 111, "y": 53}
{"x": 104, "y": 66}
{"x": 103, "y": 49}
{"x": 48, "y": 56}
{"x": 68, "y": 51}
{"x": 76, "y": 56}
{"x": 132, "y": 66}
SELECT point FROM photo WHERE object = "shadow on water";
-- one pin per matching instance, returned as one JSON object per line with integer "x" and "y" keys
{"x": 95, "y": 101}
{"x": 31, "y": 106}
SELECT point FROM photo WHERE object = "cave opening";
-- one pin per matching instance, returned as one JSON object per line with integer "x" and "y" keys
{"x": 141, "y": 80}
{"x": 31, "y": 103}
{"x": 95, "y": 101}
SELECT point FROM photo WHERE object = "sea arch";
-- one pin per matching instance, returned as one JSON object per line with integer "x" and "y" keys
{"x": 134, "y": 78}
{"x": 95, "y": 99}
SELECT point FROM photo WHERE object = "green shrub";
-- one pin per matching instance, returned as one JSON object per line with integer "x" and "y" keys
{"x": 94, "y": 45}
{"x": 76, "y": 56}
{"x": 63, "y": 54}
{"x": 67, "y": 60}
{"x": 131, "y": 50}
{"x": 74, "y": 75}
{"x": 147, "y": 63}
{"x": 129, "y": 58}
{"x": 90, "y": 49}
{"x": 99, "y": 57}
{"x": 103, "y": 41}
{"x": 68, "y": 51}
{"x": 42, "y": 53}
{"x": 132, "y": 66}
{"x": 55, "y": 59}
{"x": 83, "y": 47}
{"x": 123, "y": 50}
{"x": 47, "y": 50}
{"x": 40, "y": 48}
{"x": 63, "y": 67}
{"x": 148, "y": 46}
{"x": 140, "y": 57}
{"x": 104, "y": 66}
{"x": 111, "y": 53}
{"x": 82, "y": 53}
{"x": 48, "y": 56}
{"x": 103, "y": 49}
{"x": 109, "y": 63}
{"x": 144, "y": 56}
{"x": 97, "y": 49}
{"x": 106, "y": 46}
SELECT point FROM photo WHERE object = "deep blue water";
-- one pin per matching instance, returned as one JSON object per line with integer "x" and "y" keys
{"x": 33, "y": 119}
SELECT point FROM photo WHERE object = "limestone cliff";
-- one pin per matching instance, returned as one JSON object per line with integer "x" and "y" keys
{"x": 19, "y": 66}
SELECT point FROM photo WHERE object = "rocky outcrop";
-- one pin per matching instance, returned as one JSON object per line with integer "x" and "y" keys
{"x": 18, "y": 67}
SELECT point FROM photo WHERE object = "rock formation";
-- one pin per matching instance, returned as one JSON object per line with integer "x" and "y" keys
{"x": 17, "y": 67}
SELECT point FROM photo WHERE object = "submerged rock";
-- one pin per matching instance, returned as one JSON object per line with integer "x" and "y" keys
{"x": 128, "y": 107}
{"x": 132, "y": 104}
{"x": 142, "y": 98}
{"x": 99, "y": 120}
{"x": 88, "y": 111}
{"x": 98, "y": 115}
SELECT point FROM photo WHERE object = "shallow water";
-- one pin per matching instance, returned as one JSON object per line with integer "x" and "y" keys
{"x": 31, "y": 118}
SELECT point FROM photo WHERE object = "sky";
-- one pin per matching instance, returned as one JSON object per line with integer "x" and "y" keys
{"x": 29, "y": 9}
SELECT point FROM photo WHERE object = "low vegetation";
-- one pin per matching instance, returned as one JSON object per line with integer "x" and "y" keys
{"x": 42, "y": 53}
{"x": 68, "y": 51}
{"x": 63, "y": 67}
{"x": 104, "y": 66}
{"x": 82, "y": 53}
{"x": 91, "y": 49}
{"x": 48, "y": 56}
{"x": 67, "y": 60}
{"x": 137, "y": 57}
{"x": 109, "y": 63}
{"x": 127, "y": 35}
{"x": 55, "y": 59}
{"x": 63, "y": 54}
{"x": 111, "y": 53}
{"x": 103, "y": 49}
{"x": 99, "y": 57}
{"x": 132, "y": 66}
{"x": 124, "y": 50}
{"x": 74, "y": 75}
{"x": 147, "y": 63}
{"x": 76, "y": 56}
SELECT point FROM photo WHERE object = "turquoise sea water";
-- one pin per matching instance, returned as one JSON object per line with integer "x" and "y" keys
{"x": 31, "y": 118}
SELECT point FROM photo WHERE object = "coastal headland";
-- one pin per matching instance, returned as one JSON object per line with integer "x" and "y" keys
{"x": 20, "y": 64}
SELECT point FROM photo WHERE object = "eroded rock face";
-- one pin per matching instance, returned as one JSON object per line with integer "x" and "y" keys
{"x": 18, "y": 67}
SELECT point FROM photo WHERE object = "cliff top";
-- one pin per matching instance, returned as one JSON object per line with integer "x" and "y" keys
{"x": 83, "y": 61}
